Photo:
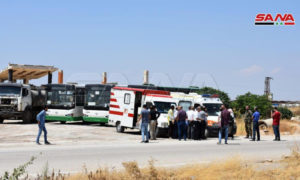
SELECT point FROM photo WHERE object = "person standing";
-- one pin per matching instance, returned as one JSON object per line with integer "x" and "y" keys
{"x": 225, "y": 117}
{"x": 144, "y": 117}
{"x": 171, "y": 121}
{"x": 248, "y": 122}
{"x": 203, "y": 120}
{"x": 255, "y": 118}
{"x": 154, "y": 114}
{"x": 41, "y": 119}
{"x": 276, "y": 122}
{"x": 197, "y": 128}
{"x": 190, "y": 121}
{"x": 175, "y": 128}
{"x": 181, "y": 118}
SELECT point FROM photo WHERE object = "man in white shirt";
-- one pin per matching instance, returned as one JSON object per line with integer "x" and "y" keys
{"x": 190, "y": 121}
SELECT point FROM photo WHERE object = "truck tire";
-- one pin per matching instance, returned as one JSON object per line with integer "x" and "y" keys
{"x": 120, "y": 129}
{"x": 1, "y": 120}
{"x": 27, "y": 116}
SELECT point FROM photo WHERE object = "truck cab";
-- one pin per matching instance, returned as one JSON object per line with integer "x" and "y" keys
{"x": 20, "y": 101}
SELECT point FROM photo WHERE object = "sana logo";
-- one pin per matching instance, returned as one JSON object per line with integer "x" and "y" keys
{"x": 279, "y": 19}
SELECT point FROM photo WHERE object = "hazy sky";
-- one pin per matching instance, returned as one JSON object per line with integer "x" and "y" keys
{"x": 203, "y": 43}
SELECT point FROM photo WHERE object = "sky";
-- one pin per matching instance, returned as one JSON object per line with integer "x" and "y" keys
{"x": 181, "y": 43}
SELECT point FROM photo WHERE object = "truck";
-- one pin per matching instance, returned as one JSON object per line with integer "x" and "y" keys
{"x": 96, "y": 103}
{"x": 126, "y": 104}
{"x": 20, "y": 101}
{"x": 213, "y": 104}
{"x": 65, "y": 102}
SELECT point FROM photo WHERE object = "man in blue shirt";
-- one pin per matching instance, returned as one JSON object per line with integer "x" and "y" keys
{"x": 145, "y": 117}
{"x": 255, "y": 118}
{"x": 41, "y": 118}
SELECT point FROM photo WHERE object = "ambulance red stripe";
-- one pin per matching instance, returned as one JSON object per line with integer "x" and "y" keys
{"x": 130, "y": 115}
{"x": 113, "y": 100}
{"x": 114, "y": 106}
{"x": 116, "y": 113}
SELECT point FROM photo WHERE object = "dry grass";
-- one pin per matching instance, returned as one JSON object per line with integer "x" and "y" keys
{"x": 295, "y": 110}
{"x": 234, "y": 168}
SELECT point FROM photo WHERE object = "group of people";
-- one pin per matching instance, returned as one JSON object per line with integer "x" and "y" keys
{"x": 252, "y": 124}
{"x": 187, "y": 125}
{"x": 190, "y": 124}
{"x": 183, "y": 125}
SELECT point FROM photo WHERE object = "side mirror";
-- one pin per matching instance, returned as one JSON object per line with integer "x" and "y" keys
{"x": 24, "y": 92}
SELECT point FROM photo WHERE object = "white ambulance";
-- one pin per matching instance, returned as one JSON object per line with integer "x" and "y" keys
{"x": 212, "y": 102}
{"x": 126, "y": 104}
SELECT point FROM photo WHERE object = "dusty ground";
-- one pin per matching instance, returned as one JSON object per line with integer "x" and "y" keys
{"x": 14, "y": 133}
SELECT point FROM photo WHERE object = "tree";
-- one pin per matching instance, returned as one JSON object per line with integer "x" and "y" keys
{"x": 209, "y": 90}
{"x": 262, "y": 102}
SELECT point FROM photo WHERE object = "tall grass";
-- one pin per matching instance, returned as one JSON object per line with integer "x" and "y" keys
{"x": 233, "y": 168}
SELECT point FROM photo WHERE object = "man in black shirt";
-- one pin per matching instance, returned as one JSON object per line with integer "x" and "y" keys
{"x": 154, "y": 115}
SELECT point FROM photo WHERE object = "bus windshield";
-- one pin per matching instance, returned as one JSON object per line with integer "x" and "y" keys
{"x": 163, "y": 107}
{"x": 10, "y": 90}
{"x": 61, "y": 98}
{"x": 213, "y": 109}
{"x": 98, "y": 98}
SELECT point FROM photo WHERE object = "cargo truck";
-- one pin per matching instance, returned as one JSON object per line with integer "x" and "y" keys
{"x": 20, "y": 101}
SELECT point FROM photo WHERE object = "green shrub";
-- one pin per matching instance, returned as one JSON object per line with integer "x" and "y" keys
{"x": 285, "y": 113}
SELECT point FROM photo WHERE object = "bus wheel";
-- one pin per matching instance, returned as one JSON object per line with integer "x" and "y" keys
{"x": 102, "y": 124}
{"x": 62, "y": 122}
{"x": 27, "y": 117}
{"x": 119, "y": 128}
{"x": 1, "y": 120}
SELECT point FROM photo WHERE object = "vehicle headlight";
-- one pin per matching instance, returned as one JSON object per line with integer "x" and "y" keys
{"x": 164, "y": 124}
{"x": 14, "y": 101}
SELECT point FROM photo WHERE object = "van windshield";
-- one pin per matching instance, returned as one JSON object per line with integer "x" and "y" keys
{"x": 185, "y": 105}
{"x": 163, "y": 107}
{"x": 10, "y": 90}
{"x": 213, "y": 109}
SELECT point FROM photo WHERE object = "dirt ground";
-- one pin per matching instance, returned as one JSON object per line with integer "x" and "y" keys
{"x": 14, "y": 133}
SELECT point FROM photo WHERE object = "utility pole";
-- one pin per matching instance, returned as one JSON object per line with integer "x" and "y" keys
{"x": 268, "y": 88}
